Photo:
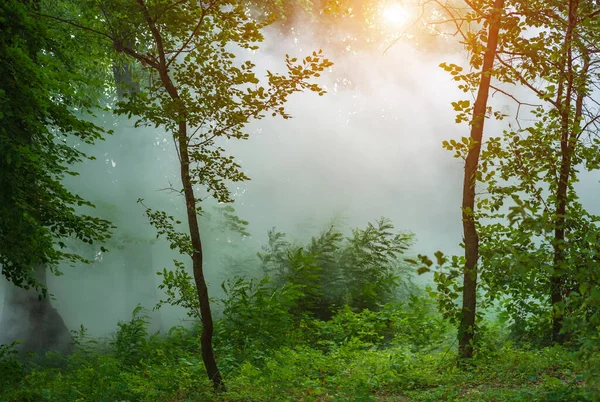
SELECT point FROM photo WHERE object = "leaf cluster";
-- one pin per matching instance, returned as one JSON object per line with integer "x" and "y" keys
{"x": 42, "y": 98}
{"x": 361, "y": 270}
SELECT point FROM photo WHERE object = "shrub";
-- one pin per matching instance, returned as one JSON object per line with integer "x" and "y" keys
{"x": 361, "y": 271}
{"x": 256, "y": 318}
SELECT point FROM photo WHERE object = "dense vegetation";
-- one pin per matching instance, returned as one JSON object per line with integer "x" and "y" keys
{"x": 316, "y": 331}
{"x": 271, "y": 343}
{"x": 336, "y": 368}
{"x": 337, "y": 317}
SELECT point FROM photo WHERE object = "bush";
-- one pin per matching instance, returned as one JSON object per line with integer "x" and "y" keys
{"x": 256, "y": 318}
{"x": 360, "y": 271}
{"x": 130, "y": 341}
{"x": 413, "y": 323}
{"x": 11, "y": 369}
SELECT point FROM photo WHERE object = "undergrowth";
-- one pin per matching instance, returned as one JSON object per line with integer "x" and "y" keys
{"x": 338, "y": 321}
{"x": 403, "y": 352}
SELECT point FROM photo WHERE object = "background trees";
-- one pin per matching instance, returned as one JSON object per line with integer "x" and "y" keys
{"x": 45, "y": 91}
{"x": 362, "y": 271}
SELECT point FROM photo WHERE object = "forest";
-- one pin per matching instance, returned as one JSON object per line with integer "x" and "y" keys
{"x": 299, "y": 200}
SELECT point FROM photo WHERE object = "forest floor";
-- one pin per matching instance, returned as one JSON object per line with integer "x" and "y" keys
{"x": 134, "y": 367}
{"x": 404, "y": 351}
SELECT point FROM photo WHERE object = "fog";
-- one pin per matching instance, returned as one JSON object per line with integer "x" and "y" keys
{"x": 370, "y": 147}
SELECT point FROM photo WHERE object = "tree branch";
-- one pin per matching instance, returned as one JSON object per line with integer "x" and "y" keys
{"x": 79, "y": 26}
{"x": 155, "y": 33}
{"x": 189, "y": 39}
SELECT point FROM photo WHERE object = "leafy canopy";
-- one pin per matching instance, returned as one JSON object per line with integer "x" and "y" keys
{"x": 42, "y": 100}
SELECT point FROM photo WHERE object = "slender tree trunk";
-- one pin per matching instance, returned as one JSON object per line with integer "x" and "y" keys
{"x": 181, "y": 138}
{"x": 466, "y": 330}
{"x": 557, "y": 280}
{"x": 206, "y": 336}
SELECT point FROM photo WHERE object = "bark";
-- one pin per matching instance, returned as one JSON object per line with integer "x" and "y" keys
{"x": 181, "y": 138}
{"x": 471, "y": 239}
{"x": 30, "y": 318}
{"x": 557, "y": 279}
{"x": 206, "y": 336}
{"x": 567, "y": 143}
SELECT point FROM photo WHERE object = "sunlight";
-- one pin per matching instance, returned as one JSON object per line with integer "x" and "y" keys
{"x": 394, "y": 14}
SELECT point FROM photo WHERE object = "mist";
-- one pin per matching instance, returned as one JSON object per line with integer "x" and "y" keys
{"x": 370, "y": 147}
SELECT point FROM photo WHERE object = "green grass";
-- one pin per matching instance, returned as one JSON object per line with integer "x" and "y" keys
{"x": 169, "y": 369}
{"x": 404, "y": 351}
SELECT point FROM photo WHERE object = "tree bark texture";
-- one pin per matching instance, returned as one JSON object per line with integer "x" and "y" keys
{"x": 466, "y": 329}
{"x": 206, "y": 336}
{"x": 566, "y": 91}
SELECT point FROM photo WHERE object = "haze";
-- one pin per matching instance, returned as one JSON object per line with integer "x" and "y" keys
{"x": 369, "y": 148}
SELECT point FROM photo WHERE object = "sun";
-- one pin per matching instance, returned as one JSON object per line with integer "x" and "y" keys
{"x": 394, "y": 14}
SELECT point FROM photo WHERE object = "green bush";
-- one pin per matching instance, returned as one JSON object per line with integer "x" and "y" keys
{"x": 360, "y": 271}
{"x": 11, "y": 369}
{"x": 131, "y": 339}
{"x": 414, "y": 323}
{"x": 256, "y": 318}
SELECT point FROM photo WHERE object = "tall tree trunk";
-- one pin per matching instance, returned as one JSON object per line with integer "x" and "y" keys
{"x": 181, "y": 138}
{"x": 208, "y": 356}
{"x": 30, "y": 318}
{"x": 466, "y": 330}
{"x": 557, "y": 280}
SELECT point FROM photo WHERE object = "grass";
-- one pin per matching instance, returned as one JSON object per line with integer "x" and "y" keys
{"x": 169, "y": 369}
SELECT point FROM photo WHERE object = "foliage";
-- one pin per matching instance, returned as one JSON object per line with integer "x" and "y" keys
{"x": 539, "y": 251}
{"x": 361, "y": 271}
{"x": 411, "y": 323}
{"x": 446, "y": 273}
{"x": 351, "y": 369}
{"x": 10, "y": 367}
{"x": 130, "y": 341}
{"x": 256, "y": 317}
{"x": 42, "y": 86}
{"x": 179, "y": 290}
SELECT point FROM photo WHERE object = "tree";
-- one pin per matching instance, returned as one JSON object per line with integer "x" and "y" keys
{"x": 550, "y": 233}
{"x": 471, "y": 239}
{"x": 561, "y": 57}
{"x": 482, "y": 46}
{"x": 201, "y": 95}
{"x": 40, "y": 87}
{"x": 531, "y": 170}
